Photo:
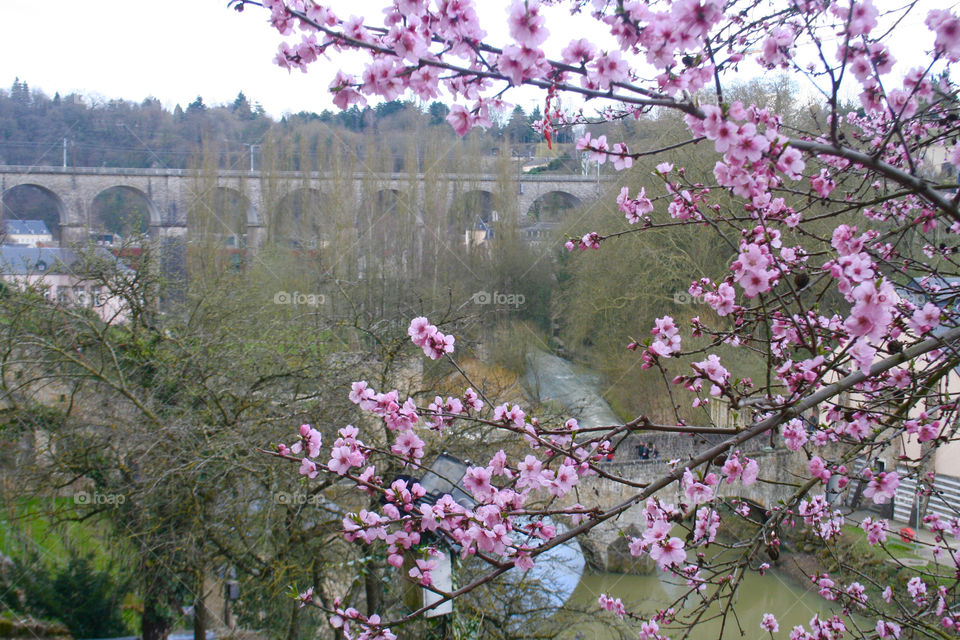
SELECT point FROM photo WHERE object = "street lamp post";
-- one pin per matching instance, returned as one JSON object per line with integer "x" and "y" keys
{"x": 441, "y": 478}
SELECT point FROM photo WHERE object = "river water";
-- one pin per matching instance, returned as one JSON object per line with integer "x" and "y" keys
{"x": 578, "y": 390}
{"x": 790, "y": 602}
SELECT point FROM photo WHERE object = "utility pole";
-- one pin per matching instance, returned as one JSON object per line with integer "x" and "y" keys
{"x": 251, "y": 147}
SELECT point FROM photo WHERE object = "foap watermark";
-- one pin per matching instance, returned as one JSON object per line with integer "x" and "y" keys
{"x": 514, "y": 300}
{"x": 297, "y": 298}
{"x": 96, "y": 498}
{"x": 299, "y": 498}
{"x": 685, "y": 297}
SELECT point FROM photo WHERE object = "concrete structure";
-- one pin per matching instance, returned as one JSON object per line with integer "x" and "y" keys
{"x": 30, "y": 233}
{"x": 170, "y": 193}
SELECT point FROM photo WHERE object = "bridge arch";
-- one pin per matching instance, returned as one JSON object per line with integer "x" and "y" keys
{"x": 299, "y": 219}
{"x": 552, "y": 207}
{"x": 123, "y": 210}
{"x": 545, "y": 213}
{"x": 386, "y": 233}
{"x": 222, "y": 215}
{"x": 29, "y": 201}
{"x": 473, "y": 216}
{"x": 377, "y": 220}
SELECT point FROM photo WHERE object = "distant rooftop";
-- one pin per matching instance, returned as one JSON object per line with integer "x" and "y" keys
{"x": 19, "y": 260}
{"x": 26, "y": 227}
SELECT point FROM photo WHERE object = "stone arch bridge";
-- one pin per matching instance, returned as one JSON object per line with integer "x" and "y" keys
{"x": 170, "y": 193}
{"x": 605, "y": 547}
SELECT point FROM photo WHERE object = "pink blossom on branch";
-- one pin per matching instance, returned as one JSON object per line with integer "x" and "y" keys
{"x": 882, "y": 487}
{"x": 818, "y": 304}
{"x": 526, "y": 24}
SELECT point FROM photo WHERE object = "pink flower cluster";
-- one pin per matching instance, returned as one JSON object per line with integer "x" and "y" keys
{"x": 744, "y": 169}
{"x": 634, "y": 208}
{"x": 309, "y": 444}
{"x": 777, "y": 48}
{"x": 752, "y": 269}
{"x": 723, "y": 300}
{"x": 882, "y": 487}
{"x": 370, "y": 629}
{"x": 947, "y": 27}
{"x": 667, "y": 551}
{"x": 347, "y": 452}
{"x": 598, "y": 147}
{"x": 826, "y": 523}
{"x": 746, "y": 470}
{"x": 769, "y": 623}
{"x": 588, "y": 241}
{"x": 611, "y": 604}
{"x": 425, "y": 335}
{"x": 665, "y": 34}
{"x": 876, "y": 530}
{"x": 666, "y": 342}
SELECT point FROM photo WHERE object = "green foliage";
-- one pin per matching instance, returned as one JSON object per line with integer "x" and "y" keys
{"x": 86, "y": 599}
{"x": 118, "y": 133}
{"x": 13, "y": 422}
{"x": 564, "y": 163}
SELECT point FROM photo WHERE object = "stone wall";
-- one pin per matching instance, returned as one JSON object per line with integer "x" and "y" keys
{"x": 779, "y": 468}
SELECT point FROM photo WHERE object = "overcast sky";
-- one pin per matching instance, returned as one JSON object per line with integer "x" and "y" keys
{"x": 175, "y": 50}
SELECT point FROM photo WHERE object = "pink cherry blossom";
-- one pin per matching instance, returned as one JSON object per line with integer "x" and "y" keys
{"x": 795, "y": 435}
{"x": 608, "y": 69}
{"x": 526, "y": 24}
{"x": 882, "y": 487}
{"x": 769, "y": 623}
{"x": 822, "y": 184}
{"x": 621, "y": 161}
{"x": 887, "y": 630}
{"x": 669, "y": 553}
{"x": 876, "y": 530}
{"x": 611, "y": 604}
{"x": 947, "y": 27}
{"x": 579, "y": 51}
{"x": 818, "y": 469}
{"x": 597, "y": 147}
{"x": 698, "y": 492}
{"x": 308, "y": 468}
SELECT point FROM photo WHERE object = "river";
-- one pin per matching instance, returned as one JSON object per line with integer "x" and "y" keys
{"x": 577, "y": 389}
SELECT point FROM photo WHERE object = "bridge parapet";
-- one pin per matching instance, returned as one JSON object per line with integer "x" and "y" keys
{"x": 293, "y": 175}
{"x": 780, "y": 470}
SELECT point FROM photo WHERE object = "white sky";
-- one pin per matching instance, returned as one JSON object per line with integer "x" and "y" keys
{"x": 175, "y": 50}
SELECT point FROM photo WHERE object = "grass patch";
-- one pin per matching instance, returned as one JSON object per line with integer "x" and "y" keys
{"x": 61, "y": 561}
{"x": 894, "y": 547}
{"x": 51, "y": 528}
